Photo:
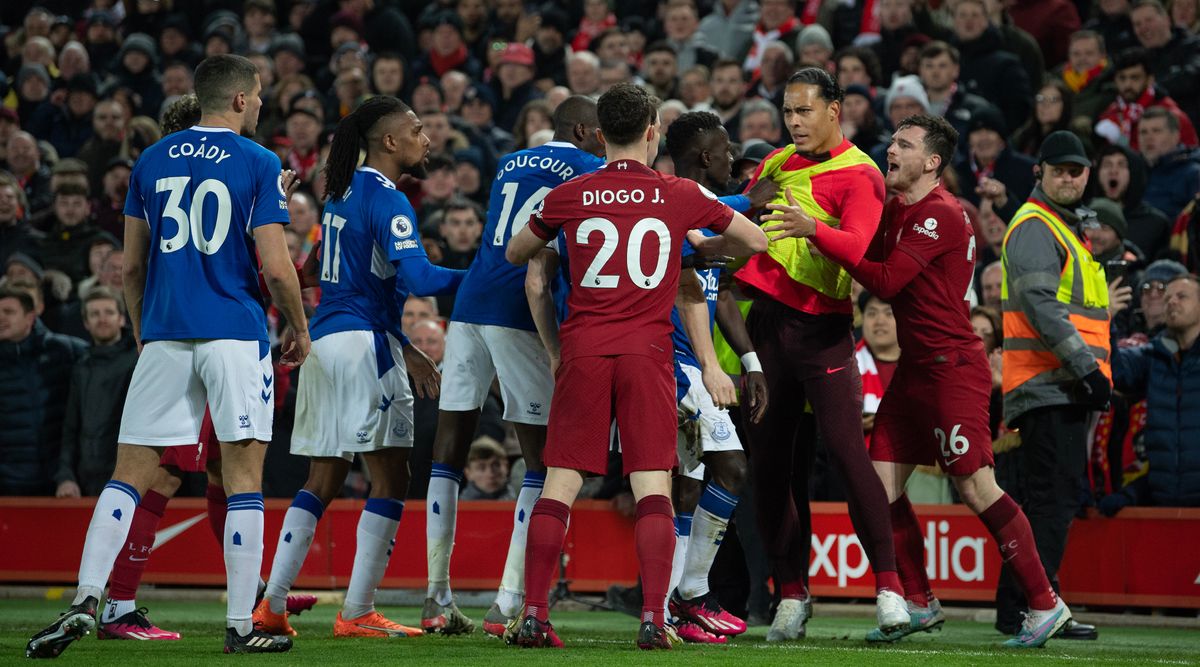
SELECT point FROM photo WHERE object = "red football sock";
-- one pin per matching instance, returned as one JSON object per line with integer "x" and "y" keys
{"x": 793, "y": 589}
{"x": 547, "y": 530}
{"x": 1008, "y": 524}
{"x": 654, "y": 534}
{"x": 215, "y": 496}
{"x": 131, "y": 562}
{"x": 910, "y": 552}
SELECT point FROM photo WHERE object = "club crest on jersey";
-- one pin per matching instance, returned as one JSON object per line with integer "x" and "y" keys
{"x": 401, "y": 226}
{"x": 400, "y": 429}
{"x": 927, "y": 228}
{"x": 721, "y": 432}
{"x": 706, "y": 192}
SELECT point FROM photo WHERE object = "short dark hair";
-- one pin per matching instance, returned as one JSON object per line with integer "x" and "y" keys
{"x": 1134, "y": 56}
{"x": 23, "y": 297}
{"x": 1088, "y": 34}
{"x": 571, "y": 112}
{"x": 1154, "y": 4}
{"x": 937, "y": 48}
{"x": 865, "y": 56}
{"x": 461, "y": 203}
{"x": 940, "y": 136}
{"x": 219, "y": 78}
{"x": 827, "y": 86}
{"x": 1189, "y": 277}
{"x": 98, "y": 293}
{"x": 722, "y": 64}
{"x": 660, "y": 46}
{"x": 71, "y": 190}
{"x": 683, "y": 137}
{"x": 625, "y": 111}
{"x": 1163, "y": 112}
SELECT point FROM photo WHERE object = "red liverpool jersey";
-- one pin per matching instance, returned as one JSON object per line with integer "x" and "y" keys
{"x": 624, "y": 226}
{"x": 932, "y": 311}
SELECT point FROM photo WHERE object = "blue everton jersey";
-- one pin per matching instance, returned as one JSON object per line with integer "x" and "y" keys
{"x": 202, "y": 192}
{"x": 493, "y": 291}
{"x": 364, "y": 235}
{"x": 708, "y": 282}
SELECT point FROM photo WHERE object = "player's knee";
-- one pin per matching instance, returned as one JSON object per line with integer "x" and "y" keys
{"x": 731, "y": 472}
{"x": 167, "y": 483}
{"x": 977, "y": 491}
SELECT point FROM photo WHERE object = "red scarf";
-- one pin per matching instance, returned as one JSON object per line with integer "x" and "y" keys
{"x": 303, "y": 165}
{"x": 981, "y": 172}
{"x": 444, "y": 63}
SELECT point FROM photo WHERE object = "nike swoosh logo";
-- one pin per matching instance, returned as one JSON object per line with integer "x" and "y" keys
{"x": 831, "y": 371}
{"x": 952, "y": 461}
{"x": 169, "y": 533}
{"x": 138, "y": 560}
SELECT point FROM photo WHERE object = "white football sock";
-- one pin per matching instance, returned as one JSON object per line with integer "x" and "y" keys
{"x": 511, "y": 597}
{"x": 243, "y": 558}
{"x": 683, "y": 525}
{"x": 295, "y": 538}
{"x": 106, "y": 535}
{"x": 114, "y": 609}
{"x": 376, "y": 536}
{"x": 441, "y": 511}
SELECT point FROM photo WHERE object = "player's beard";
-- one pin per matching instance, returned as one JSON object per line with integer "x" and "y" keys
{"x": 418, "y": 170}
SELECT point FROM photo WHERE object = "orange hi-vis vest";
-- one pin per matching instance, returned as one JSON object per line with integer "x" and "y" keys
{"x": 1082, "y": 288}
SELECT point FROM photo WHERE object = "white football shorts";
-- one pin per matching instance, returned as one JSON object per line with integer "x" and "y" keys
{"x": 477, "y": 353}
{"x": 174, "y": 379}
{"x": 353, "y": 396}
{"x": 711, "y": 431}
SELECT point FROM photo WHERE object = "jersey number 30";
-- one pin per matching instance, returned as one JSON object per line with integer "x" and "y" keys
{"x": 593, "y": 278}
{"x": 191, "y": 221}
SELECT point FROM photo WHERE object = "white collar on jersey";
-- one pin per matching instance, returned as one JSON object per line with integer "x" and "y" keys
{"x": 559, "y": 144}
{"x": 375, "y": 171}
{"x": 202, "y": 128}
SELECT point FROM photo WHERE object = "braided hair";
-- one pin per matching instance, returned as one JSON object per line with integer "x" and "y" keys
{"x": 351, "y": 139}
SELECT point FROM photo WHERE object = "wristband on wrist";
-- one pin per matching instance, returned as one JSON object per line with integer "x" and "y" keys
{"x": 750, "y": 362}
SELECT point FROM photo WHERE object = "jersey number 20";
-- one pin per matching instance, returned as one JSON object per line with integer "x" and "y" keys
{"x": 593, "y": 277}
{"x": 191, "y": 221}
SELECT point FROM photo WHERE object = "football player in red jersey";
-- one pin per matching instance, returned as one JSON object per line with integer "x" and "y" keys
{"x": 623, "y": 227}
{"x": 921, "y": 261}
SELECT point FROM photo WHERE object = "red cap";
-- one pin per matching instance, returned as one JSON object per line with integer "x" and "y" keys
{"x": 517, "y": 53}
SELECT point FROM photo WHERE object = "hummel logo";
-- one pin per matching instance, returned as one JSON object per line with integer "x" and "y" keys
{"x": 244, "y": 420}
{"x": 267, "y": 380}
{"x": 266, "y": 396}
{"x": 385, "y": 402}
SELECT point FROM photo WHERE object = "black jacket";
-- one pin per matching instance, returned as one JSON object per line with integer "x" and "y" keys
{"x": 1177, "y": 69}
{"x": 996, "y": 75}
{"x": 19, "y": 237}
{"x": 34, "y": 381}
{"x": 92, "y": 420}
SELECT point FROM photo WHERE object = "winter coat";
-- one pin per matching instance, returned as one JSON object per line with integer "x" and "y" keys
{"x": 996, "y": 75}
{"x": 34, "y": 381}
{"x": 92, "y": 421}
{"x": 1171, "y": 382}
{"x": 1174, "y": 181}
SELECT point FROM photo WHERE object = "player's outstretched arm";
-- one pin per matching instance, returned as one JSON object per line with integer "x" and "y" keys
{"x": 740, "y": 239}
{"x": 693, "y": 314}
{"x": 133, "y": 274}
{"x": 424, "y": 278}
{"x": 542, "y": 269}
{"x": 733, "y": 327}
{"x": 280, "y": 276}
{"x": 886, "y": 279}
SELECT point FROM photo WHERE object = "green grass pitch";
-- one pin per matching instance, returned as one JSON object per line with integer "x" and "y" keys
{"x": 598, "y": 638}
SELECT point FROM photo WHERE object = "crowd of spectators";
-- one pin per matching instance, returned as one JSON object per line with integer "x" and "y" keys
{"x": 84, "y": 85}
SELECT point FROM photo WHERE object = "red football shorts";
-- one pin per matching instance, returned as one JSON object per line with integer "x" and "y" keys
{"x": 195, "y": 458}
{"x": 937, "y": 412}
{"x": 590, "y": 391}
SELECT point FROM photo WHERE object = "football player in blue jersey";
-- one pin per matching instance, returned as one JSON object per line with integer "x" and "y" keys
{"x": 492, "y": 334}
{"x": 699, "y": 147}
{"x": 201, "y": 202}
{"x": 354, "y": 394}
